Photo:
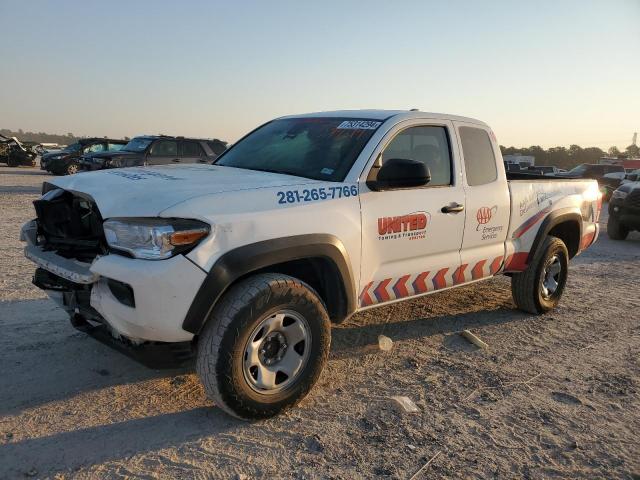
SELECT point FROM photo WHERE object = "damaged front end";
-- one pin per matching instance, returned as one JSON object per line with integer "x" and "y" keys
{"x": 64, "y": 241}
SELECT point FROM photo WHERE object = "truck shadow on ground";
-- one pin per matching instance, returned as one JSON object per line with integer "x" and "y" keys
{"x": 352, "y": 341}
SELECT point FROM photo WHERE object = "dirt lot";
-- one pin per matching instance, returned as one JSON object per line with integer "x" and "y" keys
{"x": 556, "y": 396}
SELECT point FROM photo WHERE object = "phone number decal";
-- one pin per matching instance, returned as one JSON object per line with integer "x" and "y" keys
{"x": 313, "y": 194}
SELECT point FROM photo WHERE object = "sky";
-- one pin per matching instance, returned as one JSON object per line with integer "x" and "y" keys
{"x": 548, "y": 72}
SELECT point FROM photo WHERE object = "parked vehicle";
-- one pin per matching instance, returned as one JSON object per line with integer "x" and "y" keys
{"x": 156, "y": 150}
{"x": 624, "y": 209}
{"x": 303, "y": 222}
{"x": 544, "y": 169}
{"x": 512, "y": 167}
{"x": 15, "y": 154}
{"x": 596, "y": 172}
{"x": 67, "y": 161}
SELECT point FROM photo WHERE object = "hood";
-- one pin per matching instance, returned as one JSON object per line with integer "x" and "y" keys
{"x": 145, "y": 191}
{"x": 49, "y": 156}
{"x": 629, "y": 186}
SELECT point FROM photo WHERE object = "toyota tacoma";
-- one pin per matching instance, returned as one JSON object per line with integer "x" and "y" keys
{"x": 305, "y": 221}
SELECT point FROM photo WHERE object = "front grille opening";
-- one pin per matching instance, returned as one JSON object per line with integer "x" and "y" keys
{"x": 70, "y": 225}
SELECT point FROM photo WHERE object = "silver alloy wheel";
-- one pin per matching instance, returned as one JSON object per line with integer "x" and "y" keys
{"x": 276, "y": 352}
{"x": 551, "y": 276}
{"x": 72, "y": 169}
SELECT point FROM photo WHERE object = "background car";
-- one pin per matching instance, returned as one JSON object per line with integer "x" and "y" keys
{"x": 14, "y": 153}
{"x": 67, "y": 161}
{"x": 597, "y": 172}
{"x": 624, "y": 210}
{"x": 543, "y": 169}
{"x": 156, "y": 150}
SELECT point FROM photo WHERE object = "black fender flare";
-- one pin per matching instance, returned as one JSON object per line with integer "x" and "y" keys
{"x": 555, "y": 217}
{"x": 249, "y": 258}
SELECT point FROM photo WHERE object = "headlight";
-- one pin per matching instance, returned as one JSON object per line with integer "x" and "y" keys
{"x": 154, "y": 238}
{"x": 619, "y": 194}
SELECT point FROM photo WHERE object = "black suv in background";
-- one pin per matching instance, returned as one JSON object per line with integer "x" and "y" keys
{"x": 624, "y": 209}
{"x": 156, "y": 150}
{"x": 67, "y": 161}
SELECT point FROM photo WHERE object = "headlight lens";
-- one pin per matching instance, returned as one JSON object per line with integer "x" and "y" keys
{"x": 619, "y": 194}
{"x": 154, "y": 238}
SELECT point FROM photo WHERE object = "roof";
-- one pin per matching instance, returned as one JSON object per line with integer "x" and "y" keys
{"x": 83, "y": 141}
{"x": 177, "y": 137}
{"x": 386, "y": 115}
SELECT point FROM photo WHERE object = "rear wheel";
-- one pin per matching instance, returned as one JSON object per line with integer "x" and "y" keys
{"x": 615, "y": 230}
{"x": 539, "y": 288}
{"x": 264, "y": 346}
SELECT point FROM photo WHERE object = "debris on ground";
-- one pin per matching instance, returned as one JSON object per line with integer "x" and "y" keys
{"x": 385, "y": 343}
{"x": 405, "y": 404}
{"x": 474, "y": 339}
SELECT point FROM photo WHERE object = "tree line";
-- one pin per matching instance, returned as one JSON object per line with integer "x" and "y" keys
{"x": 40, "y": 137}
{"x": 570, "y": 157}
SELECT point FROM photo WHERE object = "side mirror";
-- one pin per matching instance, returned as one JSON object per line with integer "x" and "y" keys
{"x": 398, "y": 173}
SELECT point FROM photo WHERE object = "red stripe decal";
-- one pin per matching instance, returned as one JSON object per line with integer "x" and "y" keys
{"x": 365, "y": 298}
{"x": 517, "y": 262}
{"x": 400, "y": 289}
{"x": 587, "y": 240}
{"x": 529, "y": 223}
{"x": 439, "y": 280}
{"x": 478, "y": 271}
{"x": 495, "y": 265}
{"x": 458, "y": 275}
{"x": 418, "y": 284}
{"x": 381, "y": 291}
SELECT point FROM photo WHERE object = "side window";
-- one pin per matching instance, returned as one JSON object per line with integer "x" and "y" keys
{"x": 191, "y": 149}
{"x": 165, "y": 148}
{"x": 479, "y": 159}
{"x": 114, "y": 147}
{"x": 96, "y": 147}
{"x": 429, "y": 145}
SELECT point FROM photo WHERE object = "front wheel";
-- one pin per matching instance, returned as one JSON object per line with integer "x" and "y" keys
{"x": 264, "y": 346}
{"x": 539, "y": 288}
{"x": 72, "y": 168}
{"x": 615, "y": 230}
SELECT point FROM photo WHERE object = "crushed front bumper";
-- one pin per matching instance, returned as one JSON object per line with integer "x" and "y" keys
{"x": 163, "y": 290}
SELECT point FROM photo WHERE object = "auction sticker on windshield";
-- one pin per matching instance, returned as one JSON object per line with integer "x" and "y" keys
{"x": 358, "y": 125}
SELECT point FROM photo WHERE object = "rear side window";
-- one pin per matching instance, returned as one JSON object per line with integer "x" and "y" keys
{"x": 191, "y": 149}
{"x": 479, "y": 159}
{"x": 165, "y": 148}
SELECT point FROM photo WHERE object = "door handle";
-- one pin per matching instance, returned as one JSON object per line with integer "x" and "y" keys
{"x": 175, "y": 160}
{"x": 452, "y": 208}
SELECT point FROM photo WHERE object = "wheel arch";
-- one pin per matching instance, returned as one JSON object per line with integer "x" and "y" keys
{"x": 565, "y": 224}
{"x": 319, "y": 260}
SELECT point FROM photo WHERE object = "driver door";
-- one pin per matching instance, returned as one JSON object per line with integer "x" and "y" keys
{"x": 411, "y": 237}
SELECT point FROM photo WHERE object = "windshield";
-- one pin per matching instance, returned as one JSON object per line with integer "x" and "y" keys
{"x": 74, "y": 147}
{"x": 579, "y": 169}
{"x": 137, "y": 144}
{"x": 318, "y": 148}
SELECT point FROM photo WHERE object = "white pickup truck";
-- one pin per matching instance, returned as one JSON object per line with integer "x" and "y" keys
{"x": 303, "y": 222}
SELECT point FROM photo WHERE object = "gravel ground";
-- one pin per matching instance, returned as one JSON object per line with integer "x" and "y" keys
{"x": 555, "y": 396}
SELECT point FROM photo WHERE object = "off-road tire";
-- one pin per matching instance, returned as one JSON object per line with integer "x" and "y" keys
{"x": 526, "y": 287}
{"x": 615, "y": 230}
{"x": 220, "y": 355}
